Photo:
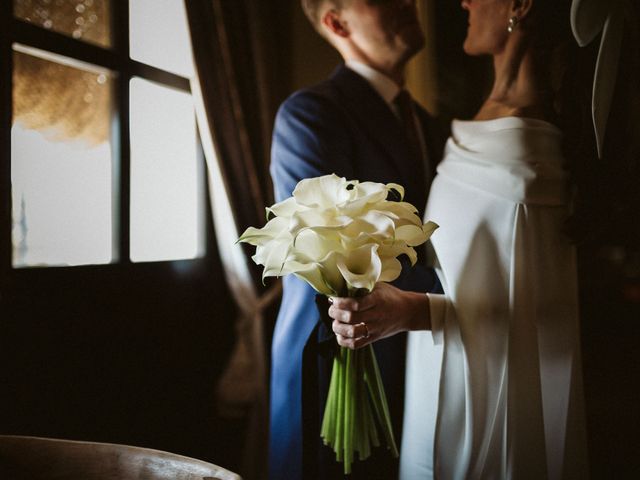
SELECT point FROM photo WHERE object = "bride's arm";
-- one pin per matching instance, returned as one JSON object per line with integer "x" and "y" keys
{"x": 384, "y": 312}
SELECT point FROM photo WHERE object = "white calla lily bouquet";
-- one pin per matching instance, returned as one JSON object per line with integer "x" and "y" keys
{"x": 342, "y": 237}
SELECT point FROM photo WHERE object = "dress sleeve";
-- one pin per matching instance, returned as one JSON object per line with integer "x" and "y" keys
{"x": 440, "y": 307}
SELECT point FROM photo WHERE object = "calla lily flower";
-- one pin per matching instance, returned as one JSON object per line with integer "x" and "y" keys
{"x": 336, "y": 233}
{"x": 323, "y": 192}
{"x": 361, "y": 269}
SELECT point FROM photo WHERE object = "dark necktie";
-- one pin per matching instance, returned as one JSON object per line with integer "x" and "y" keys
{"x": 404, "y": 103}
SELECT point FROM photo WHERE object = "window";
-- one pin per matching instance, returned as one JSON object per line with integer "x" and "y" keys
{"x": 105, "y": 165}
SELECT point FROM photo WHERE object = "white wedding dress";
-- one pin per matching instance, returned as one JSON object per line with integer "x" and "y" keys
{"x": 494, "y": 390}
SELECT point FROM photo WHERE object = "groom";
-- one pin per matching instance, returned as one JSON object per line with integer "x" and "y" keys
{"x": 351, "y": 125}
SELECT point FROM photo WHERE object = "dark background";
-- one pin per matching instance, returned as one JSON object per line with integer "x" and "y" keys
{"x": 131, "y": 354}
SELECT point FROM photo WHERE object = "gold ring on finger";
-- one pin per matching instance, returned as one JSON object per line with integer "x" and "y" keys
{"x": 366, "y": 329}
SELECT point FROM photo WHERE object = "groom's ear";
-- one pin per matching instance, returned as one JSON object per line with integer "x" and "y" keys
{"x": 521, "y": 8}
{"x": 334, "y": 23}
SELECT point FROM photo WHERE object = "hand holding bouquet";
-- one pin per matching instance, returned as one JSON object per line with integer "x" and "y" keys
{"x": 342, "y": 237}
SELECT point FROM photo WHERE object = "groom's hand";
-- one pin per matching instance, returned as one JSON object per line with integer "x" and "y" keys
{"x": 386, "y": 311}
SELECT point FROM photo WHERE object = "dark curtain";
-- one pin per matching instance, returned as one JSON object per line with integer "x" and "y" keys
{"x": 238, "y": 54}
{"x": 235, "y": 56}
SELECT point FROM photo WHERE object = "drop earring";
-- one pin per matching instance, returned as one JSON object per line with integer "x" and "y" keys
{"x": 513, "y": 21}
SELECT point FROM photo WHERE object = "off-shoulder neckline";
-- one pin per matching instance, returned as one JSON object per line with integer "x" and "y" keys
{"x": 510, "y": 121}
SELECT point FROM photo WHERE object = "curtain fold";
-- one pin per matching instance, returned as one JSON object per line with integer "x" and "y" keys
{"x": 234, "y": 106}
{"x": 421, "y": 73}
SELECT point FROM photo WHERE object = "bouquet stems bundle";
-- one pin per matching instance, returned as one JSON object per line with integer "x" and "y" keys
{"x": 356, "y": 406}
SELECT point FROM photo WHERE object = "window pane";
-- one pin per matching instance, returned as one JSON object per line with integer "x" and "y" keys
{"x": 87, "y": 20}
{"x": 61, "y": 167}
{"x": 159, "y": 35}
{"x": 166, "y": 176}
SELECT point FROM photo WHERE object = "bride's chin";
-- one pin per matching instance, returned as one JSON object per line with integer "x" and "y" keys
{"x": 467, "y": 47}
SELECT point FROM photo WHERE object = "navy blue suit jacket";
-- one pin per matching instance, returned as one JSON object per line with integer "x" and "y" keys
{"x": 340, "y": 126}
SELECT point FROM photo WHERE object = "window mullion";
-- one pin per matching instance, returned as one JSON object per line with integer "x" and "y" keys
{"x": 35, "y": 36}
{"x": 122, "y": 147}
{"x": 157, "y": 75}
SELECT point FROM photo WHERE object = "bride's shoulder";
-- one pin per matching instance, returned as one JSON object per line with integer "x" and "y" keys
{"x": 493, "y": 110}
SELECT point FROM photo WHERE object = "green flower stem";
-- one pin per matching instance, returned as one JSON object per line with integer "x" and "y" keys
{"x": 329, "y": 420}
{"x": 376, "y": 389}
{"x": 349, "y": 401}
{"x": 356, "y": 395}
{"x": 338, "y": 442}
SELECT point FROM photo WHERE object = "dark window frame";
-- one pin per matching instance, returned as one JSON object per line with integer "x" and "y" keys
{"x": 117, "y": 60}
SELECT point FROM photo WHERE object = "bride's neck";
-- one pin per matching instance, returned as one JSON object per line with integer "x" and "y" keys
{"x": 521, "y": 86}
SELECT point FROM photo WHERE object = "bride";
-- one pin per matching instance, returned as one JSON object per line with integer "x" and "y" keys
{"x": 493, "y": 368}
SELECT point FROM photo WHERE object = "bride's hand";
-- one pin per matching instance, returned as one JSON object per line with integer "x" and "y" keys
{"x": 386, "y": 311}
